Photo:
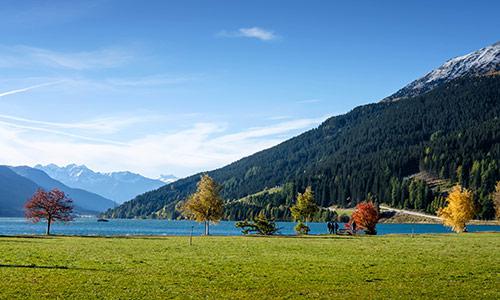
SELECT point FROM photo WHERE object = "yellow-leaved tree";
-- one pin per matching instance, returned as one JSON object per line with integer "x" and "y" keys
{"x": 459, "y": 209}
{"x": 496, "y": 201}
{"x": 304, "y": 209}
{"x": 205, "y": 205}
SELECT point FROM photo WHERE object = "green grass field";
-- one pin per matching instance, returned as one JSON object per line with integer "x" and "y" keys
{"x": 427, "y": 266}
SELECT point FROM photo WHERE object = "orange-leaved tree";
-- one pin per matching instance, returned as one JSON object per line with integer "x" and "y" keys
{"x": 365, "y": 216}
{"x": 459, "y": 209}
{"x": 52, "y": 206}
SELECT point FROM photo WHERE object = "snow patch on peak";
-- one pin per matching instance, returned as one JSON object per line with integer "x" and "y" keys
{"x": 167, "y": 178}
{"x": 118, "y": 186}
{"x": 484, "y": 61}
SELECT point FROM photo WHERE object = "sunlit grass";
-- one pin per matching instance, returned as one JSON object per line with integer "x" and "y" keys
{"x": 425, "y": 266}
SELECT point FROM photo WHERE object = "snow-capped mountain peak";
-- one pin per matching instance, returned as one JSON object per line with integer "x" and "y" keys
{"x": 167, "y": 178}
{"x": 484, "y": 61}
{"x": 118, "y": 186}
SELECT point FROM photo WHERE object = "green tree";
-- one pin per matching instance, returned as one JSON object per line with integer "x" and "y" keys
{"x": 205, "y": 205}
{"x": 305, "y": 207}
{"x": 261, "y": 225}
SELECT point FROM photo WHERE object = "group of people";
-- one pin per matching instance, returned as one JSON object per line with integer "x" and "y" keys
{"x": 333, "y": 227}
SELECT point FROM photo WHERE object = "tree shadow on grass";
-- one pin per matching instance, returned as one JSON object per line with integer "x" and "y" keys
{"x": 33, "y": 266}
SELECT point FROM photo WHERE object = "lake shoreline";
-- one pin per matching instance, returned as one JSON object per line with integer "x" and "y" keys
{"x": 322, "y": 235}
{"x": 146, "y": 227}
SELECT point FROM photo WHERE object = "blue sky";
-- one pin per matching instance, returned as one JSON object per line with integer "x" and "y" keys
{"x": 161, "y": 87}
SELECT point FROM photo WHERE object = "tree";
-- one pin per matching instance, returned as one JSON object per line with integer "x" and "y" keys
{"x": 365, "y": 216}
{"x": 52, "y": 206}
{"x": 459, "y": 209}
{"x": 305, "y": 207}
{"x": 303, "y": 210}
{"x": 496, "y": 200}
{"x": 261, "y": 225}
{"x": 205, "y": 205}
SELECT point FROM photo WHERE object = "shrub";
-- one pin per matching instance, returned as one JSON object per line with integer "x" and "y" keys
{"x": 302, "y": 228}
{"x": 260, "y": 225}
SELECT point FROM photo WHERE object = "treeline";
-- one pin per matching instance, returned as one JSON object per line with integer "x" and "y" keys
{"x": 450, "y": 132}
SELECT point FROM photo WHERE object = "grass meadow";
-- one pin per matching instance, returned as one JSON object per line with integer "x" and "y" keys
{"x": 447, "y": 266}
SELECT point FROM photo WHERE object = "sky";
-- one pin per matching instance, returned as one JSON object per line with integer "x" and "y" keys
{"x": 179, "y": 87}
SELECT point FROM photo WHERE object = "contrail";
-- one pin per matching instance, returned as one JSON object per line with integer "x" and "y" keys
{"x": 28, "y": 88}
{"x": 76, "y": 136}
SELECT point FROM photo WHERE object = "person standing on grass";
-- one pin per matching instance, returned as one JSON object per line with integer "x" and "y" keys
{"x": 335, "y": 227}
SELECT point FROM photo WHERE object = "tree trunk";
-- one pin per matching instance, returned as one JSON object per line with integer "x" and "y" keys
{"x": 49, "y": 220}
{"x": 207, "y": 230}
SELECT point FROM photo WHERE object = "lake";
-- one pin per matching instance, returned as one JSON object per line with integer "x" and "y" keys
{"x": 116, "y": 227}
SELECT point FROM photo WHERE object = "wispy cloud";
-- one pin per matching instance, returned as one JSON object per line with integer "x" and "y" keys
{"x": 251, "y": 32}
{"x": 148, "y": 81}
{"x": 105, "y": 125}
{"x": 23, "y": 56}
{"x": 202, "y": 146}
{"x": 62, "y": 133}
{"x": 277, "y": 118}
{"x": 309, "y": 101}
{"x": 275, "y": 129}
{"x": 26, "y": 89}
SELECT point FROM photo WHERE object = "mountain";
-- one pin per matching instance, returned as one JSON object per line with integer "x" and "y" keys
{"x": 167, "y": 178}
{"x": 454, "y": 129}
{"x": 15, "y": 190}
{"x": 451, "y": 132}
{"x": 484, "y": 61}
{"x": 85, "y": 200}
{"x": 117, "y": 186}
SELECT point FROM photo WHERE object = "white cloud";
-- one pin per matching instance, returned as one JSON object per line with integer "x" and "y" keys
{"x": 104, "y": 125}
{"x": 309, "y": 101}
{"x": 25, "y": 56}
{"x": 251, "y": 32}
{"x": 22, "y": 90}
{"x": 57, "y": 132}
{"x": 277, "y": 118}
{"x": 203, "y": 146}
{"x": 148, "y": 81}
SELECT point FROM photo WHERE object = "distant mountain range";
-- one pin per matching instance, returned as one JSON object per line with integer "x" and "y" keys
{"x": 118, "y": 186}
{"x": 17, "y": 185}
{"x": 446, "y": 124}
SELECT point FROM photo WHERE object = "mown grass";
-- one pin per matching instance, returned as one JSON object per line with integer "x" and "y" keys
{"x": 425, "y": 266}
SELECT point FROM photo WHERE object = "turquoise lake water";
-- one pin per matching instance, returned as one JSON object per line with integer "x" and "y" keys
{"x": 90, "y": 227}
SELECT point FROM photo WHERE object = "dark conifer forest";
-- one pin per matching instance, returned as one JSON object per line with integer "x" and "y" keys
{"x": 406, "y": 154}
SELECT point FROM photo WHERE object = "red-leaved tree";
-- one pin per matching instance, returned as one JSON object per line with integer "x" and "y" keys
{"x": 365, "y": 216}
{"x": 51, "y": 206}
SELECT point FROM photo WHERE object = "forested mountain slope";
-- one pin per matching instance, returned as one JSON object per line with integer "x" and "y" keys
{"x": 453, "y": 129}
{"x": 15, "y": 190}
